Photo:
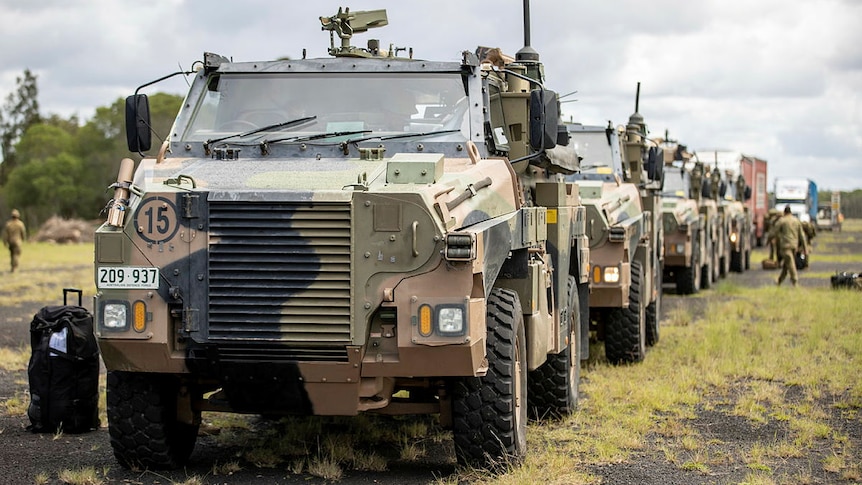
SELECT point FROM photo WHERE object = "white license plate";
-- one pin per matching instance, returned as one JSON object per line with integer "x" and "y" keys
{"x": 127, "y": 278}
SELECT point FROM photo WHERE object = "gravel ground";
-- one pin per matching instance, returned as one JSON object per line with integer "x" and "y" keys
{"x": 23, "y": 455}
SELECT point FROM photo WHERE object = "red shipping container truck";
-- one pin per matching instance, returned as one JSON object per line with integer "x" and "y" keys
{"x": 754, "y": 171}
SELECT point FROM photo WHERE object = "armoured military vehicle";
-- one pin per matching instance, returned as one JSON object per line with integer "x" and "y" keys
{"x": 643, "y": 167}
{"x": 704, "y": 191}
{"x": 713, "y": 191}
{"x": 739, "y": 222}
{"x": 626, "y": 273}
{"x": 704, "y": 186}
{"x": 361, "y": 233}
{"x": 715, "y": 246}
{"x": 684, "y": 231}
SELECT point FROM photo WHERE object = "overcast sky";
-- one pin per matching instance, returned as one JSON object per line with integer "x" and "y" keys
{"x": 776, "y": 79}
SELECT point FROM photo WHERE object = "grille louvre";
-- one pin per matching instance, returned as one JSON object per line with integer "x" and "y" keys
{"x": 280, "y": 273}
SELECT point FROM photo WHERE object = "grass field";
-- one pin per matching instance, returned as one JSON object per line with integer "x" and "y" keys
{"x": 45, "y": 270}
{"x": 782, "y": 363}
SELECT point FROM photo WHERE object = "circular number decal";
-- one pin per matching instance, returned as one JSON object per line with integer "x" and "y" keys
{"x": 156, "y": 220}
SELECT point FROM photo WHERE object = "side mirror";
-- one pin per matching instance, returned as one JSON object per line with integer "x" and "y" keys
{"x": 655, "y": 163}
{"x": 138, "y": 135}
{"x": 544, "y": 119}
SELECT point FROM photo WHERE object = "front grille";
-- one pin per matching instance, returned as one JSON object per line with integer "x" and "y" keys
{"x": 280, "y": 273}
{"x": 282, "y": 353}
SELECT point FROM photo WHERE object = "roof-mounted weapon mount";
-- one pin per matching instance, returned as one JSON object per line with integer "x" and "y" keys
{"x": 346, "y": 23}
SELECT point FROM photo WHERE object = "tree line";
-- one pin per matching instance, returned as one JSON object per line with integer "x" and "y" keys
{"x": 53, "y": 165}
{"x": 851, "y": 202}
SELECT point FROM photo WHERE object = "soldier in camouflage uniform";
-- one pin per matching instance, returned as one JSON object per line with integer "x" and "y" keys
{"x": 771, "y": 219}
{"x": 790, "y": 238}
{"x": 14, "y": 234}
{"x": 810, "y": 230}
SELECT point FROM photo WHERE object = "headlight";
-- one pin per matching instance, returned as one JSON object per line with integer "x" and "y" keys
{"x": 680, "y": 249}
{"x": 733, "y": 237}
{"x": 612, "y": 274}
{"x": 450, "y": 320}
{"x": 115, "y": 316}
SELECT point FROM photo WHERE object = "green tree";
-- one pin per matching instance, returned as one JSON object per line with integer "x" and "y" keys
{"x": 43, "y": 188}
{"x": 70, "y": 125}
{"x": 102, "y": 144}
{"x": 76, "y": 163}
{"x": 163, "y": 111}
{"x": 20, "y": 111}
{"x": 41, "y": 141}
{"x": 851, "y": 204}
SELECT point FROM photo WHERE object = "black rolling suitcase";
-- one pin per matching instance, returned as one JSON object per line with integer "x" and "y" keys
{"x": 63, "y": 370}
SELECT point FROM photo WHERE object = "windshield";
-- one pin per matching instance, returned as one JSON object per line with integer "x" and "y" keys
{"x": 382, "y": 103}
{"x": 594, "y": 150}
{"x": 676, "y": 183}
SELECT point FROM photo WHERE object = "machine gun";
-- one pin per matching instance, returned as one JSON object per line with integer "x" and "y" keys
{"x": 346, "y": 23}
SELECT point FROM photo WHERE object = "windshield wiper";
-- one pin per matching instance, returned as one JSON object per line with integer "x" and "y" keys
{"x": 318, "y": 136}
{"x": 399, "y": 135}
{"x": 283, "y": 124}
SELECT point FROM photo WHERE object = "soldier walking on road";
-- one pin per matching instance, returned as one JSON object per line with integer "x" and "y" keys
{"x": 14, "y": 234}
{"x": 790, "y": 238}
{"x": 771, "y": 219}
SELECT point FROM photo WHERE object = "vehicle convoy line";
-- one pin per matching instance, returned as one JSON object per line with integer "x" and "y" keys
{"x": 370, "y": 233}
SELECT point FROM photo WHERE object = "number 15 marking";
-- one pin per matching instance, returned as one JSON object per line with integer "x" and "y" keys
{"x": 156, "y": 220}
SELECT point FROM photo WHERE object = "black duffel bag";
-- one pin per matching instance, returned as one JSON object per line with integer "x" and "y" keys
{"x": 847, "y": 280}
{"x": 63, "y": 370}
{"x": 801, "y": 260}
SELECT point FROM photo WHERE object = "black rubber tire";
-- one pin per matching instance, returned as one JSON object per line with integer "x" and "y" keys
{"x": 688, "y": 280}
{"x": 553, "y": 387}
{"x": 715, "y": 259}
{"x": 142, "y": 422}
{"x": 625, "y": 336}
{"x": 706, "y": 267}
{"x": 736, "y": 263}
{"x": 653, "y": 312}
{"x": 748, "y": 260}
{"x": 724, "y": 260}
{"x": 489, "y": 414}
{"x": 716, "y": 269}
{"x": 706, "y": 276}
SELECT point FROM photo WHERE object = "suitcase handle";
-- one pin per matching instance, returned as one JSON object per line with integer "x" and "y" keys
{"x": 66, "y": 292}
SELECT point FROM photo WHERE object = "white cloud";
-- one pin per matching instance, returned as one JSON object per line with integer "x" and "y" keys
{"x": 771, "y": 78}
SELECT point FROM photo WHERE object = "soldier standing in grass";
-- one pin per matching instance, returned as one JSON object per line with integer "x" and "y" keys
{"x": 790, "y": 238}
{"x": 14, "y": 234}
